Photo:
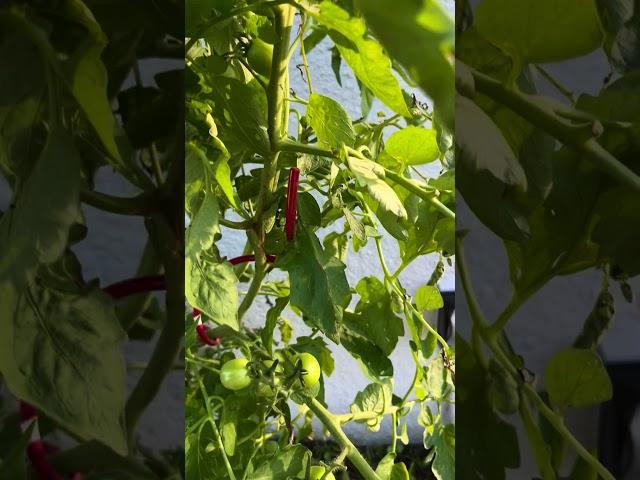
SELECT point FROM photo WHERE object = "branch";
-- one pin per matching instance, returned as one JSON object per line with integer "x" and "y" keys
{"x": 543, "y": 116}
{"x": 289, "y": 146}
{"x": 332, "y": 424}
{"x": 141, "y": 205}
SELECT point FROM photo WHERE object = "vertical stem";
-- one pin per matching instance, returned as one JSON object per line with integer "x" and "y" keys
{"x": 329, "y": 421}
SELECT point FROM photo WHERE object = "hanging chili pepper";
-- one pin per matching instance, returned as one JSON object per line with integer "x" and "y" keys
{"x": 292, "y": 199}
{"x": 132, "y": 286}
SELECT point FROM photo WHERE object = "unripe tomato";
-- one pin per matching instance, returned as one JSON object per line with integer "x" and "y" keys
{"x": 234, "y": 374}
{"x": 317, "y": 472}
{"x": 310, "y": 369}
{"x": 259, "y": 56}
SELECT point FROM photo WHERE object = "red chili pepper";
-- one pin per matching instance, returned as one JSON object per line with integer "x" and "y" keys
{"x": 201, "y": 330}
{"x": 132, "y": 286}
{"x": 292, "y": 199}
{"x": 37, "y": 455}
{"x": 250, "y": 258}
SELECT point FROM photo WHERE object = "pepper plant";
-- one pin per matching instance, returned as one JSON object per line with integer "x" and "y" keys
{"x": 302, "y": 184}
{"x": 557, "y": 181}
{"x": 66, "y": 66}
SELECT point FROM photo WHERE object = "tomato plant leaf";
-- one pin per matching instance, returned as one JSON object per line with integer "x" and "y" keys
{"x": 374, "y": 317}
{"x": 522, "y": 30}
{"x": 442, "y": 439}
{"x": 364, "y": 55}
{"x": 59, "y": 343}
{"x": 375, "y": 398}
{"x": 211, "y": 288}
{"x": 319, "y": 287}
{"x": 420, "y": 35}
{"x": 88, "y": 82}
{"x": 330, "y": 122}
{"x": 410, "y": 146}
{"x": 203, "y": 227}
{"x": 288, "y": 462}
{"x": 576, "y": 377}
{"x": 371, "y": 175}
{"x": 240, "y": 113}
{"x": 428, "y": 297}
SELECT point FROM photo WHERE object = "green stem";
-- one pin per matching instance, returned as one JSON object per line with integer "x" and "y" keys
{"x": 479, "y": 322}
{"x": 364, "y": 416}
{"x": 536, "y": 441}
{"x": 289, "y": 146}
{"x": 141, "y": 205}
{"x": 424, "y": 194}
{"x": 234, "y": 225}
{"x": 331, "y": 424}
{"x": 169, "y": 343}
{"x": 543, "y": 116}
{"x": 216, "y": 432}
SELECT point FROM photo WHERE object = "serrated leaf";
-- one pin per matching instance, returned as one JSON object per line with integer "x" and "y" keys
{"x": 211, "y": 288}
{"x": 364, "y": 55}
{"x": 375, "y": 398}
{"x": 330, "y": 122}
{"x": 319, "y": 287}
{"x": 371, "y": 175}
{"x": 203, "y": 227}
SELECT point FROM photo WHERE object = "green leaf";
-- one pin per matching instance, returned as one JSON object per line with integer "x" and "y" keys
{"x": 319, "y": 287}
{"x": 487, "y": 168}
{"x": 522, "y": 30}
{"x": 64, "y": 357}
{"x": 222, "y": 172}
{"x": 428, "y": 297}
{"x": 200, "y": 463}
{"x": 371, "y": 175}
{"x": 375, "y": 398}
{"x": 617, "y": 229}
{"x": 502, "y": 389}
{"x": 375, "y": 363}
{"x": 374, "y": 317}
{"x": 290, "y": 462}
{"x": 36, "y": 230}
{"x": 577, "y": 378}
{"x": 211, "y": 288}
{"x": 240, "y": 113}
{"x": 88, "y": 82}
{"x": 410, "y": 146}
{"x": 489, "y": 442}
{"x": 420, "y": 35}
{"x": 442, "y": 439}
{"x": 204, "y": 226}
{"x": 330, "y": 122}
{"x": 481, "y": 145}
{"x": 387, "y": 469}
{"x": 364, "y": 55}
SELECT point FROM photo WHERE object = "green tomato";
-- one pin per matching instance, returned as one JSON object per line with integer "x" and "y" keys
{"x": 310, "y": 369}
{"x": 259, "y": 56}
{"x": 317, "y": 472}
{"x": 234, "y": 374}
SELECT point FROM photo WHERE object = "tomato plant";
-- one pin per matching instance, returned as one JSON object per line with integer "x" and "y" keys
{"x": 293, "y": 183}
{"x": 67, "y": 66}
{"x": 553, "y": 177}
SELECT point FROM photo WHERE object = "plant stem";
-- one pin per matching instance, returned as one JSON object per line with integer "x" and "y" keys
{"x": 480, "y": 324}
{"x": 141, "y": 205}
{"x": 543, "y": 116}
{"x": 536, "y": 441}
{"x": 330, "y": 422}
{"x": 425, "y": 195}
{"x": 169, "y": 343}
{"x": 289, "y": 146}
